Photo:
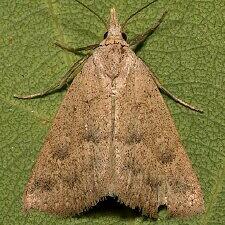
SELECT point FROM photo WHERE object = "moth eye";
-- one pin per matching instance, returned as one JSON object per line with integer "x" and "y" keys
{"x": 105, "y": 35}
{"x": 124, "y": 36}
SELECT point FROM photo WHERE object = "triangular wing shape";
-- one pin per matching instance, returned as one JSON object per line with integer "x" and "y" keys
{"x": 152, "y": 168}
{"x": 71, "y": 173}
{"x": 113, "y": 135}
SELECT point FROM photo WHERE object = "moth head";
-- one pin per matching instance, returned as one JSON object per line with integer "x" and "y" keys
{"x": 114, "y": 35}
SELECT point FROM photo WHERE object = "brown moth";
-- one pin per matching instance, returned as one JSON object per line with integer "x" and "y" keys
{"x": 113, "y": 136}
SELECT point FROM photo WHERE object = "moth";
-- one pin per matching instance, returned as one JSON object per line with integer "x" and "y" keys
{"x": 113, "y": 136}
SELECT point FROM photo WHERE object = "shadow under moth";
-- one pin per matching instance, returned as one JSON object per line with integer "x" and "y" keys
{"x": 113, "y": 136}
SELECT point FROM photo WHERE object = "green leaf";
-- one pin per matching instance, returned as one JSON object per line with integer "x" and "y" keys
{"x": 187, "y": 53}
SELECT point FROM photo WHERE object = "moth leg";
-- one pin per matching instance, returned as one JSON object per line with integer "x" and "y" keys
{"x": 168, "y": 93}
{"x": 67, "y": 78}
{"x": 140, "y": 38}
{"x": 76, "y": 51}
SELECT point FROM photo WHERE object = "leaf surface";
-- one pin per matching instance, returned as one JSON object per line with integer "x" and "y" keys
{"x": 187, "y": 53}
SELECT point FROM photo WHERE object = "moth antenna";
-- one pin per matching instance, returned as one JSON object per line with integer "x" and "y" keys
{"x": 135, "y": 13}
{"x": 99, "y": 17}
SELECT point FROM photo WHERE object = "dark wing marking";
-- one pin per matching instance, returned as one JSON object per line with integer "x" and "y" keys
{"x": 152, "y": 166}
{"x": 71, "y": 173}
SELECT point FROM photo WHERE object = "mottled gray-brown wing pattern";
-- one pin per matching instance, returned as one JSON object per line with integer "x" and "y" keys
{"x": 152, "y": 168}
{"x": 113, "y": 134}
{"x": 71, "y": 173}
